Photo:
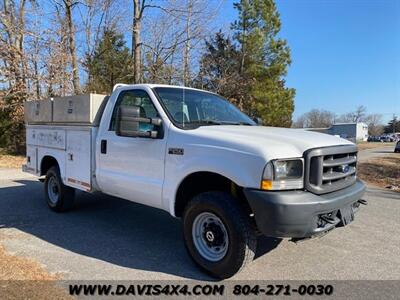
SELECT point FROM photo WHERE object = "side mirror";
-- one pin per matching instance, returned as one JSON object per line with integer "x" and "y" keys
{"x": 128, "y": 123}
{"x": 258, "y": 121}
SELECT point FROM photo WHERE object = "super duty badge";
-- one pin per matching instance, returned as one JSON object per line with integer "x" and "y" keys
{"x": 175, "y": 151}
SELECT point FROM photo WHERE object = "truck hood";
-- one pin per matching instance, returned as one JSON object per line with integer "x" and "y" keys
{"x": 269, "y": 142}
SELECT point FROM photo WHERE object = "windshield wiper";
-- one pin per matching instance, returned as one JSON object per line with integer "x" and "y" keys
{"x": 245, "y": 123}
{"x": 204, "y": 122}
{"x": 214, "y": 122}
{"x": 235, "y": 123}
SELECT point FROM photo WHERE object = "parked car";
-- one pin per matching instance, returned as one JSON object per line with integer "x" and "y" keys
{"x": 388, "y": 138}
{"x": 397, "y": 147}
{"x": 373, "y": 139}
{"x": 197, "y": 156}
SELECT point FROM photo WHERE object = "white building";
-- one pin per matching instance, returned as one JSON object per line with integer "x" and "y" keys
{"x": 350, "y": 131}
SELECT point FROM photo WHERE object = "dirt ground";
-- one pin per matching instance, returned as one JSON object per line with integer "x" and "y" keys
{"x": 383, "y": 172}
{"x": 10, "y": 161}
{"x": 370, "y": 145}
{"x": 24, "y": 278}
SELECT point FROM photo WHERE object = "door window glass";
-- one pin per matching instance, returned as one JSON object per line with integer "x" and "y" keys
{"x": 135, "y": 98}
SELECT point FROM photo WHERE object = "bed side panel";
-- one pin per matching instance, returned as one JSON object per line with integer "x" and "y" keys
{"x": 78, "y": 159}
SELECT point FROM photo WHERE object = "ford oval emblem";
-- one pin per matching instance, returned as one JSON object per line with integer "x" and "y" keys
{"x": 345, "y": 168}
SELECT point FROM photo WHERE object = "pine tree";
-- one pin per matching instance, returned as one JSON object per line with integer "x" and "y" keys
{"x": 264, "y": 61}
{"x": 219, "y": 70}
{"x": 109, "y": 64}
{"x": 393, "y": 126}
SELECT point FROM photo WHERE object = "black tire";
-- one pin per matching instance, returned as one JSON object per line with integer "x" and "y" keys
{"x": 64, "y": 200}
{"x": 240, "y": 230}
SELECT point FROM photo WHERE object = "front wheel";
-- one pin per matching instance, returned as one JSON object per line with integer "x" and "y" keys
{"x": 219, "y": 235}
{"x": 59, "y": 197}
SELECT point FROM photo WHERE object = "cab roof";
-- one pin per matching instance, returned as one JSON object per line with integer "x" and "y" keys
{"x": 152, "y": 85}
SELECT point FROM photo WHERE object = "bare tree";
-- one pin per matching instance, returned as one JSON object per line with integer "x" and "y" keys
{"x": 375, "y": 126}
{"x": 96, "y": 16}
{"x": 315, "y": 119}
{"x": 300, "y": 122}
{"x": 186, "y": 53}
{"x": 173, "y": 38}
{"x": 68, "y": 6}
{"x": 13, "y": 71}
{"x": 56, "y": 78}
{"x": 138, "y": 8}
{"x": 320, "y": 118}
{"x": 41, "y": 50}
{"x": 12, "y": 50}
{"x": 355, "y": 116}
{"x": 64, "y": 14}
{"x": 163, "y": 41}
{"x": 359, "y": 113}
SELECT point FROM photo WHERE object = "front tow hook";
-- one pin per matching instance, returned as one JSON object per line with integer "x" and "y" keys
{"x": 328, "y": 219}
{"x": 363, "y": 202}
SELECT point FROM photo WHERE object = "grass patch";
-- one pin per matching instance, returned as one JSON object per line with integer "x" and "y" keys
{"x": 12, "y": 161}
{"x": 20, "y": 268}
{"x": 24, "y": 278}
{"x": 382, "y": 172}
{"x": 373, "y": 145}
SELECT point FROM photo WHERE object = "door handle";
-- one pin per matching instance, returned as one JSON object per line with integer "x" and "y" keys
{"x": 103, "y": 147}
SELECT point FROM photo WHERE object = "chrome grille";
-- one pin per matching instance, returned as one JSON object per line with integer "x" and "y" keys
{"x": 329, "y": 169}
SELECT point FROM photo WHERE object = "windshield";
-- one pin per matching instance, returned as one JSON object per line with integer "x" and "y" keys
{"x": 192, "y": 108}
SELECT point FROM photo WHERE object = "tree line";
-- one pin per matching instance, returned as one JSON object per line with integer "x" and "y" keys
{"x": 319, "y": 118}
{"x": 54, "y": 48}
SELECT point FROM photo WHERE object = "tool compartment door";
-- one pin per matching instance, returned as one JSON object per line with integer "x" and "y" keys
{"x": 31, "y": 159}
{"x": 78, "y": 159}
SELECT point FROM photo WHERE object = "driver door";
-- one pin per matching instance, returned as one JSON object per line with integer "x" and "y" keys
{"x": 133, "y": 167}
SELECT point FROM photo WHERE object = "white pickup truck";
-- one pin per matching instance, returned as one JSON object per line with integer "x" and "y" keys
{"x": 195, "y": 155}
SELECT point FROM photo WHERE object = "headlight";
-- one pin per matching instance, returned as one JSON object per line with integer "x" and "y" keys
{"x": 283, "y": 175}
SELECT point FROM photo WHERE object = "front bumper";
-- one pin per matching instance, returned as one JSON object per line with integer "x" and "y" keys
{"x": 300, "y": 214}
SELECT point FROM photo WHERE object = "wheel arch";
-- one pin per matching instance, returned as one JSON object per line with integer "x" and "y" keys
{"x": 46, "y": 163}
{"x": 205, "y": 181}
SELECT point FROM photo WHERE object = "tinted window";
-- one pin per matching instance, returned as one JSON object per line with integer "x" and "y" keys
{"x": 135, "y": 98}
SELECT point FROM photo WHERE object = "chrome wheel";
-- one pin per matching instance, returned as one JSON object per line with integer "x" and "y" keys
{"x": 210, "y": 236}
{"x": 53, "y": 190}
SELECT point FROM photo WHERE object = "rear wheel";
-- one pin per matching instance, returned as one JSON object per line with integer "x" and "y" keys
{"x": 59, "y": 197}
{"x": 218, "y": 234}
